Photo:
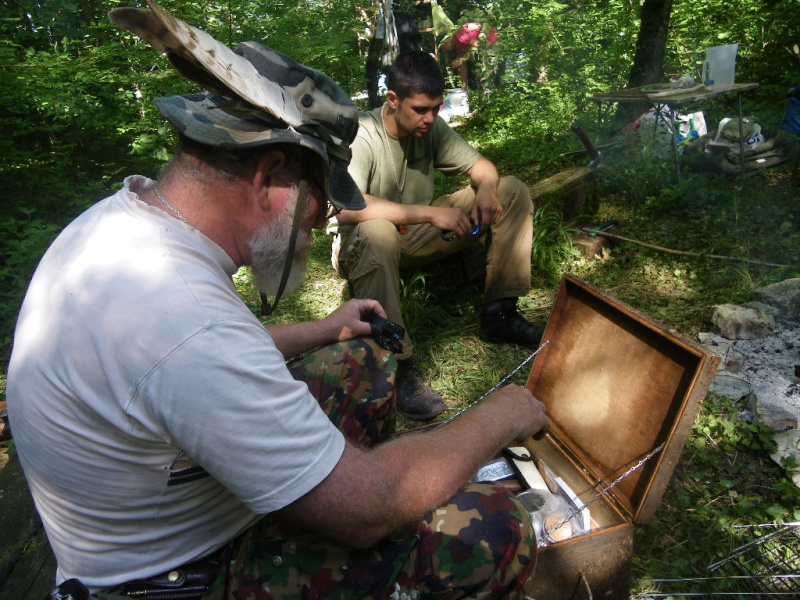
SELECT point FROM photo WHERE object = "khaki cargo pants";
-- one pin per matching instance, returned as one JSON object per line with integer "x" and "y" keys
{"x": 371, "y": 255}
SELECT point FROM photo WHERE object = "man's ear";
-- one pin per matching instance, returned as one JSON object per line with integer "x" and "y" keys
{"x": 392, "y": 99}
{"x": 266, "y": 175}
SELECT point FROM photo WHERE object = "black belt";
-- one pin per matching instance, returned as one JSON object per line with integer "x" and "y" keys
{"x": 187, "y": 582}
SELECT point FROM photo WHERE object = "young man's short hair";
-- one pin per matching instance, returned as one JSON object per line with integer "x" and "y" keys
{"x": 415, "y": 72}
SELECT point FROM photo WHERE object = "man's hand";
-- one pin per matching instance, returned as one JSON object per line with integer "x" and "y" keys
{"x": 451, "y": 219}
{"x": 527, "y": 411}
{"x": 342, "y": 324}
{"x": 486, "y": 208}
{"x": 349, "y": 320}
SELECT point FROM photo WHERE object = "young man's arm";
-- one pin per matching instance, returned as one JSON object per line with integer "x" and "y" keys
{"x": 445, "y": 218}
{"x": 485, "y": 179}
{"x": 344, "y": 323}
{"x": 486, "y": 209}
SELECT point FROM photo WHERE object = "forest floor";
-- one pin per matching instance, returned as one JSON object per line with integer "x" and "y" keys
{"x": 669, "y": 269}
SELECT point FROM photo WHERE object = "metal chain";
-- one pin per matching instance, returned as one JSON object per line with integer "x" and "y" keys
{"x": 399, "y": 181}
{"x": 608, "y": 488}
{"x": 169, "y": 205}
{"x": 499, "y": 384}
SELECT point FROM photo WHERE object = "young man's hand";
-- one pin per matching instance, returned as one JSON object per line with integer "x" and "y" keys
{"x": 451, "y": 219}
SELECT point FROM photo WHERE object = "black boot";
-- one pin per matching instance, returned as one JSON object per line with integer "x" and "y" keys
{"x": 415, "y": 400}
{"x": 501, "y": 322}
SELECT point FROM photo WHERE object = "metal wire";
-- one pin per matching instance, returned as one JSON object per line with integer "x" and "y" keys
{"x": 769, "y": 566}
{"x": 608, "y": 488}
{"x": 499, "y": 384}
{"x": 770, "y": 563}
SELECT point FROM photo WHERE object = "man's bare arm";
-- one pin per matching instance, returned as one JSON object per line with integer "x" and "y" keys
{"x": 344, "y": 323}
{"x": 369, "y": 494}
{"x": 445, "y": 218}
{"x": 484, "y": 177}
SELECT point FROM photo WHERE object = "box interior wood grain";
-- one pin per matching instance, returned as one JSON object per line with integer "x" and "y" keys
{"x": 618, "y": 387}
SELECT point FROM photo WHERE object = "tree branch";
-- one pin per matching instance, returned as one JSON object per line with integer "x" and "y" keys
{"x": 680, "y": 252}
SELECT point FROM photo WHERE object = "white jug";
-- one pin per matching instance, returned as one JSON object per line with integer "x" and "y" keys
{"x": 721, "y": 62}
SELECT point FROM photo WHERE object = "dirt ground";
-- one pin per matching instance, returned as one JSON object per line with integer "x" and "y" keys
{"x": 27, "y": 567}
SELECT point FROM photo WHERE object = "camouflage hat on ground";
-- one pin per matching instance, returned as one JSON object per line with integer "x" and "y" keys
{"x": 256, "y": 96}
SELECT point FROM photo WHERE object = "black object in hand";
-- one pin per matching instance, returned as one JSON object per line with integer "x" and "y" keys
{"x": 387, "y": 334}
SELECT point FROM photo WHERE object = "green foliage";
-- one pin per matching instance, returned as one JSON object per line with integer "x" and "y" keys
{"x": 76, "y": 115}
{"x": 727, "y": 435}
{"x": 552, "y": 244}
{"x": 24, "y": 239}
{"x": 724, "y": 481}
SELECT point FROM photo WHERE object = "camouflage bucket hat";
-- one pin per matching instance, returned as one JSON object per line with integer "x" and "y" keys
{"x": 256, "y": 96}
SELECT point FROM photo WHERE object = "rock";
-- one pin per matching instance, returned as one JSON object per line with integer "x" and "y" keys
{"x": 769, "y": 413}
{"x": 732, "y": 387}
{"x": 592, "y": 247}
{"x": 737, "y": 322}
{"x": 759, "y": 343}
{"x": 787, "y": 453}
{"x": 784, "y": 296}
{"x": 704, "y": 337}
{"x": 767, "y": 309}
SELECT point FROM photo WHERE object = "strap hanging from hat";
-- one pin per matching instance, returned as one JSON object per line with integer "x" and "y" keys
{"x": 299, "y": 213}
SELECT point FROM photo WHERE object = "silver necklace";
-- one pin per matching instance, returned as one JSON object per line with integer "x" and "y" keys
{"x": 399, "y": 181}
{"x": 169, "y": 205}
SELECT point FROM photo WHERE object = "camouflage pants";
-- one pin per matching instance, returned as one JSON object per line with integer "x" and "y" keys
{"x": 479, "y": 544}
{"x": 353, "y": 382}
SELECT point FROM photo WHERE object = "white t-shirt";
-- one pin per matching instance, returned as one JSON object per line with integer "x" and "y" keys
{"x": 154, "y": 416}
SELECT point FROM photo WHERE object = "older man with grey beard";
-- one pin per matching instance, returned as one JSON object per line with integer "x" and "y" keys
{"x": 174, "y": 446}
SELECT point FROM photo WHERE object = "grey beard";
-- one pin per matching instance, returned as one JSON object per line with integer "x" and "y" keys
{"x": 269, "y": 246}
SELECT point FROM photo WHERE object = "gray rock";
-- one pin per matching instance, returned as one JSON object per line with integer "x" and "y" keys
{"x": 705, "y": 337}
{"x": 767, "y": 309}
{"x": 784, "y": 296}
{"x": 728, "y": 385}
{"x": 762, "y": 370}
{"x": 769, "y": 413}
{"x": 737, "y": 322}
{"x": 787, "y": 453}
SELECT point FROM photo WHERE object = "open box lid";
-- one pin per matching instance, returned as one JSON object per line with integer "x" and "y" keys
{"x": 617, "y": 385}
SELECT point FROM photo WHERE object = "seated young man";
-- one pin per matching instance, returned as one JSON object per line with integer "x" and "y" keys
{"x": 395, "y": 154}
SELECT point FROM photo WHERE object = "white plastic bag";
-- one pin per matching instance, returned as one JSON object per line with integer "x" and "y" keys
{"x": 658, "y": 122}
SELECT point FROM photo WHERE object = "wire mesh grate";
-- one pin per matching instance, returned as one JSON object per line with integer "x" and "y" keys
{"x": 770, "y": 564}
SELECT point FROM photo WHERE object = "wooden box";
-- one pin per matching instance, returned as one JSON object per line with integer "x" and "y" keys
{"x": 619, "y": 388}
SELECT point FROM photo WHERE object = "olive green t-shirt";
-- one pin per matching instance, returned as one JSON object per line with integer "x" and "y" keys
{"x": 382, "y": 162}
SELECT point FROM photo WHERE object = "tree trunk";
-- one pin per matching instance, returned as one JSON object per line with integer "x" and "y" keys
{"x": 648, "y": 63}
{"x": 374, "y": 50}
{"x": 651, "y": 45}
{"x": 373, "y": 68}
